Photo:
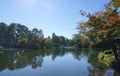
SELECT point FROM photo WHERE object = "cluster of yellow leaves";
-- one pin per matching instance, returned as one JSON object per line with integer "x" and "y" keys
{"x": 116, "y": 3}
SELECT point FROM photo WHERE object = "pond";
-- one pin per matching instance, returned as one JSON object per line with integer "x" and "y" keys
{"x": 53, "y": 62}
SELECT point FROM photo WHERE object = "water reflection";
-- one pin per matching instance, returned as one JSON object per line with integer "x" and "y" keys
{"x": 97, "y": 68}
{"x": 74, "y": 62}
{"x": 18, "y": 59}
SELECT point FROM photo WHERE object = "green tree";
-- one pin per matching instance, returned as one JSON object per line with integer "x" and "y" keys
{"x": 59, "y": 40}
{"x": 38, "y": 38}
{"x": 54, "y": 38}
{"x": 62, "y": 40}
{"x": 18, "y": 34}
{"x": 37, "y": 33}
{"x": 3, "y": 34}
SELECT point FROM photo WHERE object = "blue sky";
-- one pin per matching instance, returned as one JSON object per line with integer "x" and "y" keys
{"x": 58, "y": 16}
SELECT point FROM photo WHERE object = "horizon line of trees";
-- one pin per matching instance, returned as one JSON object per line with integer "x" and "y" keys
{"x": 16, "y": 35}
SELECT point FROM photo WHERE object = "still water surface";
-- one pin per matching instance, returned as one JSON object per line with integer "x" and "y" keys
{"x": 52, "y": 62}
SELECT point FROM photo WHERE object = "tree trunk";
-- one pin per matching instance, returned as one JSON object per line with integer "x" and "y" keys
{"x": 114, "y": 49}
{"x": 117, "y": 63}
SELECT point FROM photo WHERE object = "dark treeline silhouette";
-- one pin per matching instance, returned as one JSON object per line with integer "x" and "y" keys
{"x": 19, "y": 36}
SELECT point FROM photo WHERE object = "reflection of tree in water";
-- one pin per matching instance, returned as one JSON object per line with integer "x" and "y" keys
{"x": 77, "y": 53}
{"x": 20, "y": 59}
{"x": 98, "y": 69}
{"x": 80, "y": 53}
{"x": 58, "y": 52}
{"x": 29, "y": 58}
{"x": 13, "y": 60}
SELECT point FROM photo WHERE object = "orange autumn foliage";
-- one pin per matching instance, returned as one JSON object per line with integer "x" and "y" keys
{"x": 48, "y": 42}
{"x": 102, "y": 31}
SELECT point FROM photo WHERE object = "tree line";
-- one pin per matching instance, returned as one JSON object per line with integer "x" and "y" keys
{"x": 17, "y": 35}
